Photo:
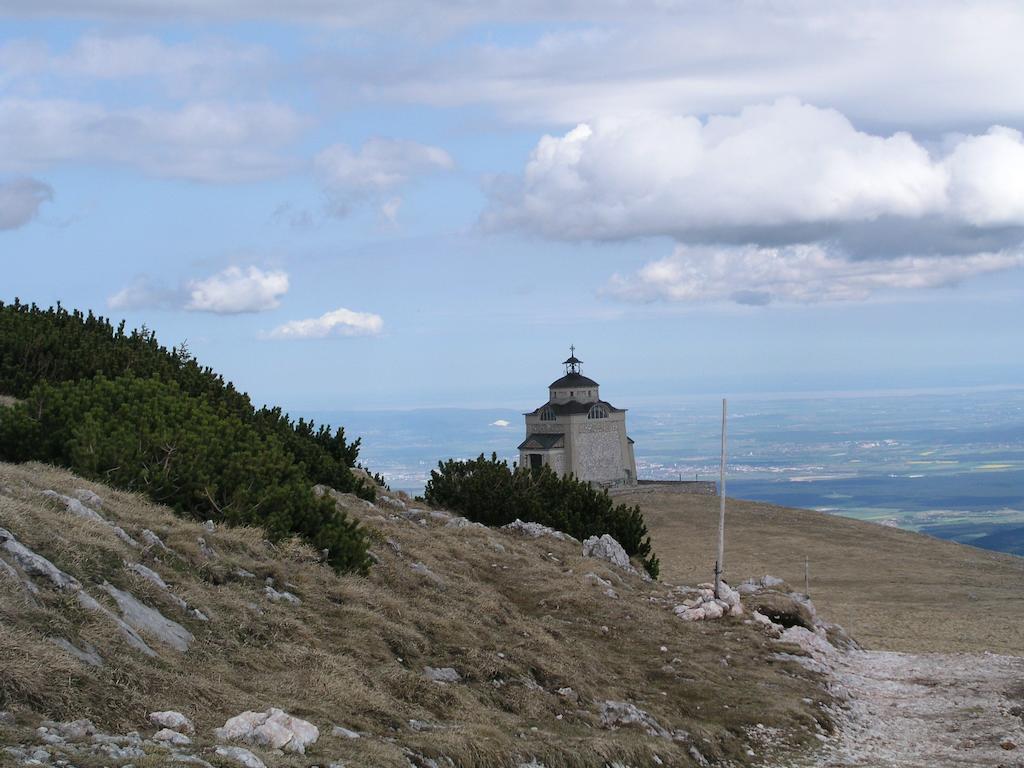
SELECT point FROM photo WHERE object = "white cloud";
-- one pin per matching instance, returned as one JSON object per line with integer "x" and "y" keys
{"x": 781, "y": 173}
{"x": 378, "y": 167}
{"x": 338, "y": 322}
{"x": 236, "y": 291}
{"x": 184, "y": 68}
{"x": 500, "y": 423}
{"x": 20, "y": 200}
{"x": 876, "y": 61}
{"x": 202, "y": 141}
{"x": 145, "y": 293}
{"x": 802, "y": 274}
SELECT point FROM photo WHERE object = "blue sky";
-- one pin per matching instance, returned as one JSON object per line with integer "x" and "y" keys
{"x": 350, "y": 205}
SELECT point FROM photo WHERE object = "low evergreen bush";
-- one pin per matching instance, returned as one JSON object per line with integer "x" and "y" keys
{"x": 120, "y": 408}
{"x": 488, "y": 491}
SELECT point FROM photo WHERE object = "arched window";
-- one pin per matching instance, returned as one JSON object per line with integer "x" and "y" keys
{"x": 598, "y": 412}
{"x": 547, "y": 414}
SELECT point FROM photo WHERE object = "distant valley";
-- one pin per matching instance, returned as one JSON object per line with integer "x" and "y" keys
{"x": 949, "y": 464}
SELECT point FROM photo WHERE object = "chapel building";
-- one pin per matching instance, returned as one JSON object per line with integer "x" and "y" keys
{"x": 577, "y": 432}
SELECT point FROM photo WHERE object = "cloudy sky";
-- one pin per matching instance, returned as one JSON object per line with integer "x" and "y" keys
{"x": 392, "y": 204}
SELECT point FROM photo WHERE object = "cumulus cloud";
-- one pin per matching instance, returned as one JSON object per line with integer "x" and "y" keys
{"x": 235, "y": 291}
{"x": 20, "y": 200}
{"x": 201, "y": 141}
{"x": 378, "y": 167}
{"x": 800, "y": 274}
{"x": 231, "y": 291}
{"x": 769, "y": 169}
{"x": 338, "y": 322}
{"x": 500, "y": 423}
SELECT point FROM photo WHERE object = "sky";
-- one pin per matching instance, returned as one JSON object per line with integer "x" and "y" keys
{"x": 351, "y": 205}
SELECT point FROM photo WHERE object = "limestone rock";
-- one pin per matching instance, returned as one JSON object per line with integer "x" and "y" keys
{"x": 605, "y": 547}
{"x": 429, "y": 575}
{"x": 76, "y": 730}
{"x": 142, "y": 618}
{"x": 442, "y": 674}
{"x": 273, "y": 729}
{"x": 241, "y": 756}
{"x": 536, "y": 530}
{"x": 782, "y": 609}
{"x": 278, "y": 597}
{"x": 37, "y": 565}
{"x": 344, "y": 733}
{"x": 152, "y": 540}
{"x": 74, "y": 506}
{"x": 168, "y": 736}
{"x": 89, "y": 655}
{"x": 89, "y": 498}
{"x": 172, "y": 720}
{"x": 615, "y": 714}
{"x": 134, "y": 640}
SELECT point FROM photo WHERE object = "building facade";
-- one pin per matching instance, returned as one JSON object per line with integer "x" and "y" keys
{"x": 577, "y": 432}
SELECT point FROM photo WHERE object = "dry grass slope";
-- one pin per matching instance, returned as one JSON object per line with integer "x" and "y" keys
{"x": 891, "y": 589}
{"x": 514, "y": 616}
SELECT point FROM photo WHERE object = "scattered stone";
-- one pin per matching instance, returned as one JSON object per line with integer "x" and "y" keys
{"x": 276, "y": 597}
{"x": 74, "y": 506}
{"x": 605, "y": 547}
{"x": 273, "y": 729}
{"x": 77, "y": 508}
{"x": 344, "y": 733}
{"x": 616, "y": 714}
{"x": 241, "y": 756}
{"x": 148, "y": 574}
{"x": 429, "y": 575}
{"x": 783, "y": 609}
{"x": 37, "y": 565}
{"x": 130, "y": 635}
{"x": 172, "y": 720}
{"x": 536, "y": 530}
{"x": 569, "y": 694}
{"x": 172, "y": 737}
{"x": 462, "y": 522}
{"x": 7, "y": 719}
{"x": 152, "y": 540}
{"x": 89, "y": 655}
{"x": 205, "y": 549}
{"x": 394, "y": 545}
{"x": 149, "y": 620}
{"x": 76, "y": 730}
{"x": 86, "y": 496}
{"x": 442, "y": 674}
{"x": 210, "y": 526}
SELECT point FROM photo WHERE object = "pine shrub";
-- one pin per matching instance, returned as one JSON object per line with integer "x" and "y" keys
{"x": 488, "y": 491}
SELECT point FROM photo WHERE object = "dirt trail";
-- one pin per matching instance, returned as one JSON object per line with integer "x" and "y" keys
{"x": 927, "y": 711}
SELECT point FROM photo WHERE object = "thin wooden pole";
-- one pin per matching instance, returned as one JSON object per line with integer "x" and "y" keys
{"x": 720, "y": 562}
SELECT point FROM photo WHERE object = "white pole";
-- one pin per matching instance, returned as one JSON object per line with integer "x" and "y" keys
{"x": 720, "y": 563}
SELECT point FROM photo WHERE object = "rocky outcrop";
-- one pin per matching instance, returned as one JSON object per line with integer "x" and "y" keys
{"x": 273, "y": 729}
{"x": 536, "y": 530}
{"x": 172, "y": 720}
{"x": 142, "y": 618}
{"x": 785, "y": 609}
{"x": 605, "y": 547}
{"x": 704, "y": 605}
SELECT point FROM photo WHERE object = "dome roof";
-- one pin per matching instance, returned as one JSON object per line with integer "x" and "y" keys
{"x": 573, "y": 381}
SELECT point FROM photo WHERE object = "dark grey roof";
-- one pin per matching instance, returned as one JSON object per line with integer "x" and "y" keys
{"x": 544, "y": 441}
{"x": 571, "y": 380}
{"x": 572, "y": 361}
{"x": 574, "y": 407}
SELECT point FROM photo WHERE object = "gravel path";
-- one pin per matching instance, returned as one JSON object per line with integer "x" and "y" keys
{"x": 927, "y": 711}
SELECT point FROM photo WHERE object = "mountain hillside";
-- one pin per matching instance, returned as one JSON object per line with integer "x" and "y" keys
{"x": 891, "y": 589}
{"x": 463, "y": 646}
